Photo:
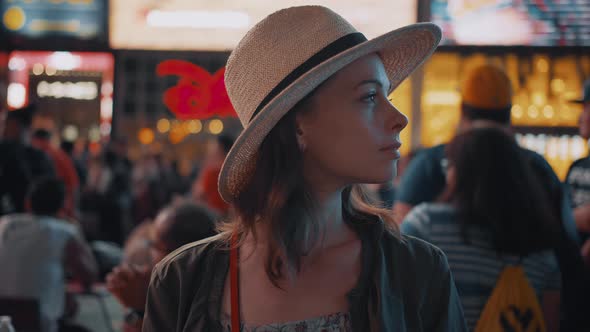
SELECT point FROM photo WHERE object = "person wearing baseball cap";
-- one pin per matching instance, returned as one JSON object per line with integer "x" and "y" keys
{"x": 486, "y": 99}
{"x": 306, "y": 250}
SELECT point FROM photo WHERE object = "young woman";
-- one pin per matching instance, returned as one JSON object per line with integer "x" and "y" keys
{"x": 306, "y": 251}
{"x": 494, "y": 213}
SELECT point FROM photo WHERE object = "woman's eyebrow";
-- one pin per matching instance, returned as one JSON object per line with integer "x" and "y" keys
{"x": 373, "y": 81}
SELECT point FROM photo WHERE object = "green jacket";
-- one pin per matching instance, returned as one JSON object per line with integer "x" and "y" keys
{"x": 405, "y": 285}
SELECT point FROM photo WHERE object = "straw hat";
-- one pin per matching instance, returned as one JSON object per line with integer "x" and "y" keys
{"x": 286, "y": 56}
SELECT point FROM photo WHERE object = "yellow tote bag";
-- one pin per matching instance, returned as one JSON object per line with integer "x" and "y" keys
{"x": 513, "y": 305}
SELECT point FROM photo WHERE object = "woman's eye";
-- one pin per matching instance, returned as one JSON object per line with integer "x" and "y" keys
{"x": 370, "y": 97}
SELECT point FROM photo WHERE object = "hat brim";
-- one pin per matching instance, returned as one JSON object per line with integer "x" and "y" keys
{"x": 401, "y": 51}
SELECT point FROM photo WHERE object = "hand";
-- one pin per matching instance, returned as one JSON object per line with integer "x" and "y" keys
{"x": 130, "y": 285}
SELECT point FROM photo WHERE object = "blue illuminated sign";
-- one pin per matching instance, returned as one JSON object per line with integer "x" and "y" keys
{"x": 79, "y": 19}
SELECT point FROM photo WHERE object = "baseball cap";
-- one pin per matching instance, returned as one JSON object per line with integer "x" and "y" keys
{"x": 487, "y": 87}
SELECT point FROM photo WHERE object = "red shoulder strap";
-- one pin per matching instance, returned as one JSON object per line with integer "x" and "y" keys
{"x": 234, "y": 287}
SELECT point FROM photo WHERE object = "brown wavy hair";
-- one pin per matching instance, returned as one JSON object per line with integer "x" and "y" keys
{"x": 497, "y": 188}
{"x": 277, "y": 195}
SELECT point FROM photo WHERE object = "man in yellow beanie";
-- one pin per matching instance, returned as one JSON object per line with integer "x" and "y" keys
{"x": 486, "y": 95}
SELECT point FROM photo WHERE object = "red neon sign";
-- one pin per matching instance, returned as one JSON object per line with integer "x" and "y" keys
{"x": 198, "y": 94}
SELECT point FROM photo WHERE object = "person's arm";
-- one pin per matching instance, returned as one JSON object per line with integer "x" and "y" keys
{"x": 551, "y": 305}
{"x": 80, "y": 261}
{"x": 129, "y": 285}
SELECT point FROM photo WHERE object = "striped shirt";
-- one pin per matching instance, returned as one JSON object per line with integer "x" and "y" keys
{"x": 476, "y": 266}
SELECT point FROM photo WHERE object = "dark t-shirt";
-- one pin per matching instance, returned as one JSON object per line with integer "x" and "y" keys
{"x": 424, "y": 179}
{"x": 20, "y": 165}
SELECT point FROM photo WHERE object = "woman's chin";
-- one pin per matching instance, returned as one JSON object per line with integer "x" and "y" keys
{"x": 382, "y": 177}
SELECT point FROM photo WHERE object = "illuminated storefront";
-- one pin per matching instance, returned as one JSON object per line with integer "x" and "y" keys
{"x": 545, "y": 55}
{"x": 73, "y": 91}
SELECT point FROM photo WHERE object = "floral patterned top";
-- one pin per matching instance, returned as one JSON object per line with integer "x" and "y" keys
{"x": 338, "y": 322}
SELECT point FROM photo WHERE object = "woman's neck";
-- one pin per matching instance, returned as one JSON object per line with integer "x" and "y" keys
{"x": 328, "y": 213}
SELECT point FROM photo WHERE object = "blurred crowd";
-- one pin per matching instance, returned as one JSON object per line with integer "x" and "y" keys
{"x": 70, "y": 215}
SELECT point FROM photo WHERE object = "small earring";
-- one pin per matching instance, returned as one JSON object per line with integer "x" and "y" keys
{"x": 301, "y": 144}
{"x": 300, "y": 140}
{"x": 302, "y": 147}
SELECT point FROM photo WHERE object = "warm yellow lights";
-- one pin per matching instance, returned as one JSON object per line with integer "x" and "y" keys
{"x": 176, "y": 135}
{"x": 215, "y": 126}
{"x": 538, "y": 98}
{"x": 557, "y": 85}
{"x": 517, "y": 112}
{"x": 178, "y": 132}
{"x": 194, "y": 126}
{"x": 14, "y": 18}
{"x": 542, "y": 65}
{"x": 38, "y": 69}
{"x": 442, "y": 97}
{"x": 50, "y": 71}
{"x": 533, "y": 112}
{"x": 145, "y": 136}
{"x": 548, "y": 112}
{"x": 163, "y": 125}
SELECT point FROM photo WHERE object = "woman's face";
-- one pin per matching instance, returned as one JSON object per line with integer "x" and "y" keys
{"x": 350, "y": 130}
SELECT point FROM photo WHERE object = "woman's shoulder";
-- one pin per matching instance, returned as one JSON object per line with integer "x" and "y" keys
{"x": 411, "y": 247}
{"x": 191, "y": 259}
{"x": 416, "y": 271}
{"x": 411, "y": 253}
{"x": 187, "y": 284}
